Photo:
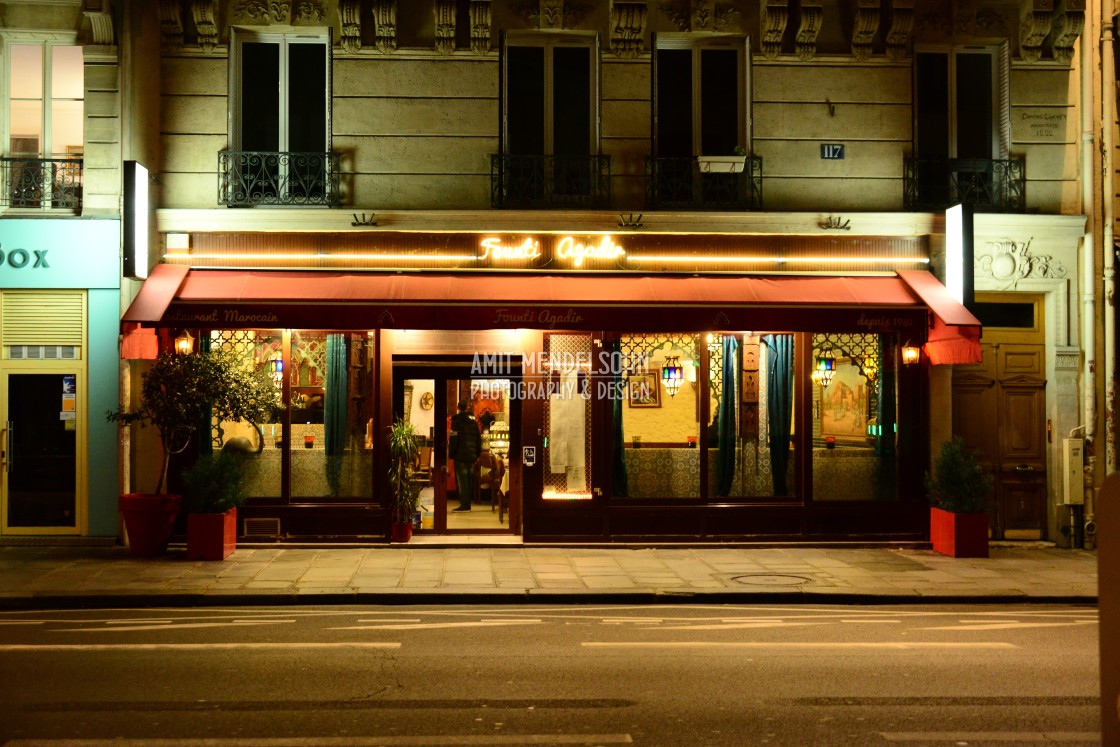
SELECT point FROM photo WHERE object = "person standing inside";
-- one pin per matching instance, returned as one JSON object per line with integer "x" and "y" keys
{"x": 464, "y": 448}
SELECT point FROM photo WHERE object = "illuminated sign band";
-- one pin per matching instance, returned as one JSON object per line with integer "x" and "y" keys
{"x": 569, "y": 249}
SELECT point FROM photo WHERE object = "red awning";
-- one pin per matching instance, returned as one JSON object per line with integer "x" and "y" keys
{"x": 954, "y": 334}
{"x": 355, "y": 300}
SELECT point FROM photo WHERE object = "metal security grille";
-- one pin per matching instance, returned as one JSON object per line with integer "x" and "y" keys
{"x": 254, "y": 347}
{"x": 43, "y": 318}
{"x": 567, "y": 418}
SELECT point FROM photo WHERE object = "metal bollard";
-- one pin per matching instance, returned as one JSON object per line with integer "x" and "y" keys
{"x": 1108, "y": 604}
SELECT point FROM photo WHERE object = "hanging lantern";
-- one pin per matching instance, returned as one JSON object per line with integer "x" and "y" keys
{"x": 825, "y": 368}
{"x": 184, "y": 343}
{"x": 276, "y": 368}
{"x": 672, "y": 375}
{"x": 910, "y": 353}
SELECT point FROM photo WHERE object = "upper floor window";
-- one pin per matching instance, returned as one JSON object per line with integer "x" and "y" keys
{"x": 280, "y": 119}
{"x": 45, "y": 116}
{"x": 281, "y": 93}
{"x": 551, "y": 97}
{"x": 700, "y": 95}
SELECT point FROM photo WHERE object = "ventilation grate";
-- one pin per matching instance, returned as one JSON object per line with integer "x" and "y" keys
{"x": 43, "y": 352}
{"x": 262, "y": 528}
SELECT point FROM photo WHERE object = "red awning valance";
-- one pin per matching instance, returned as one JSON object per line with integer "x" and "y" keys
{"x": 954, "y": 334}
{"x": 245, "y": 299}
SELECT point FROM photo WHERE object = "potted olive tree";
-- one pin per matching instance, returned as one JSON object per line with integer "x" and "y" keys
{"x": 958, "y": 492}
{"x": 180, "y": 395}
{"x": 404, "y": 490}
{"x": 213, "y": 491}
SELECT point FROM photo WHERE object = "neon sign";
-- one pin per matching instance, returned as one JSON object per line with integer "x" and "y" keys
{"x": 574, "y": 251}
{"x": 493, "y": 248}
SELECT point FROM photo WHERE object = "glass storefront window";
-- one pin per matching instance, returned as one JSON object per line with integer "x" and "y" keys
{"x": 659, "y": 421}
{"x": 567, "y": 417}
{"x": 854, "y": 417}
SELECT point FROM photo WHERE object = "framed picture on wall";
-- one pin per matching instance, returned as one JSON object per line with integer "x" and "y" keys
{"x": 844, "y": 404}
{"x": 643, "y": 390}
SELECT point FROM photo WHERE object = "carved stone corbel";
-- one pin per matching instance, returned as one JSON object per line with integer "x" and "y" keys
{"x": 350, "y": 14}
{"x": 628, "y": 28}
{"x": 480, "y": 26}
{"x": 170, "y": 23}
{"x": 97, "y": 26}
{"x": 865, "y": 27}
{"x": 899, "y": 35}
{"x": 445, "y": 26}
{"x": 385, "y": 24}
{"x": 1069, "y": 22}
{"x": 775, "y": 18}
{"x": 203, "y": 12}
{"x": 1034, "y": 25}
{"x": 812, "y": 13}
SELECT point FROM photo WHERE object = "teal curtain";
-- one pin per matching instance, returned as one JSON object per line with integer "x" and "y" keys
{"x": 334, "y": 408}
{"x": 779, "y": 405}
{"x": 619, "y": 486}
{"x": 725, "y": 459}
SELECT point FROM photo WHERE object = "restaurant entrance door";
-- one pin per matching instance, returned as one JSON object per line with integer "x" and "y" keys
{"x": 427, "y": 396}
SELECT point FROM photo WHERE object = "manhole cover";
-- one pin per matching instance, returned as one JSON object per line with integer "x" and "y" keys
{"x": 771, "y": 579}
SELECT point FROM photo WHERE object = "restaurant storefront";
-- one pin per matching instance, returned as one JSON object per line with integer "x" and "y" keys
{"x": 630, "y": 388}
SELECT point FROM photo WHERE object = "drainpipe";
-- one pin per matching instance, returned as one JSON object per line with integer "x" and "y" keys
{"x": 1108, "y": 122}
{"x": 1088, "y": 282}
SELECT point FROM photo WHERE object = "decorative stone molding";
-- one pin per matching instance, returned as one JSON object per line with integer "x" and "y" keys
{"x": 698, "y": 15}
{"x": 261, "y": 12}
{"x": 97, "y": 27}
{"x": 203, "y": 12}
{"x": 551, "y": 14}
{"x": 1069, "y": 22}
{"x": 990, "y": 22}
{"x": 812, "y": 12}
{"x": 964, "y": 17}
{"x": 350, "y": 15}
{"x": 170, "y": 23}
{"x": 679, "y": 12}
{"x": 934, "y": 24}
{"x": 385, "y": 25}
{"x": 1067, "y": 358}
{"x": 775, "y": 18}
{"x": 480, "y": 26}
{"x": 307, "y": 11}
{"x": 1034, "y": 25}
{"x": 899, "y": 35}
{"x": 445, "y": 26}
{"x": 628, "y": 28}
{"x": 1009, "y": 261}
{"x": 866, "y": 24}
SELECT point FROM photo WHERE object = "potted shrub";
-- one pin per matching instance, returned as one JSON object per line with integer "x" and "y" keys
{"x": 213, "y": 490}
{"x": 404, "y": 489}
{"x": 179, "y": 395}
{"x": 958, "y": 492}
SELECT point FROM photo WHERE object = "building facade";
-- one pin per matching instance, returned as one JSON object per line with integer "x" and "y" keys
{"x": 674, "y": 251}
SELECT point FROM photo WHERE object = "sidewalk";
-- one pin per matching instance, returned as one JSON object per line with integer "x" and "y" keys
{"x": 55, "y": 577}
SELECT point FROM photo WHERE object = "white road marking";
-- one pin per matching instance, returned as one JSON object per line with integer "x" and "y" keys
{"x": 174, "y": 626}
{"x": 451, "y": 740}
{"x": 188, "y": 646}
{"x": 740, "y": 626}
{"x": 401, "y": 620}
{"x": 969, "y": 737}
{"x": 901, "y": 645}
{"x": 436, "y": 626}
{"x": 132, "y": 622}
{"x": 1010, "y": 625}
{"x": 872, "y": 622}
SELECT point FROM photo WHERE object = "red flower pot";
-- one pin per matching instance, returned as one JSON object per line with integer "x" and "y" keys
{"x": 958, "y": 535}
{"x": 148, "y": 521}
{"x": 401, "y": 532}
{"x": 211, "y": 536}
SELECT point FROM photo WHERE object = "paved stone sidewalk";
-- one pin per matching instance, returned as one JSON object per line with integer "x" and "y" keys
{"x": 32, "y": 576}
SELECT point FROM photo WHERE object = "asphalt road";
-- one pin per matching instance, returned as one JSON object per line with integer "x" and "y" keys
{"x": 550, "y": 675}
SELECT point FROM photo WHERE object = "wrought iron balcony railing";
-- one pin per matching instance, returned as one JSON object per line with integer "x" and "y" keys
{"x": 32, "y": 182}
{"x": 988, "y": 185}
{"x": 550, "y": 181}
{"x": 679, "y": 182}
{"x": 248, "y": 178}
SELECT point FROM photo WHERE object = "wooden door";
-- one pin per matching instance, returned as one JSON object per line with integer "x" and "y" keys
{"x": 999, "y": 410}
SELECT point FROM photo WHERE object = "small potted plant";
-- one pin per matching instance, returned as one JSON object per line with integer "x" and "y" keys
{"x": 958, "y": 491}
{"x": 213, "y": 490}
{"x": 180, "y": 394}
{"x": 404, "y": 489}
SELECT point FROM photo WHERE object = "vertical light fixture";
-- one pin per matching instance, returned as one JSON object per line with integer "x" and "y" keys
{"x": 135, "y": 222}
{"x": 672, "y": 375}
{"x": 825, "y": 367}
{"x": 910, "y": 353}
{"x": 184, "y": 343}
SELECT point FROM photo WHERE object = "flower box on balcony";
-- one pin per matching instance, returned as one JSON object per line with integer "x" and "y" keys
{"x": 721, "y": 164}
